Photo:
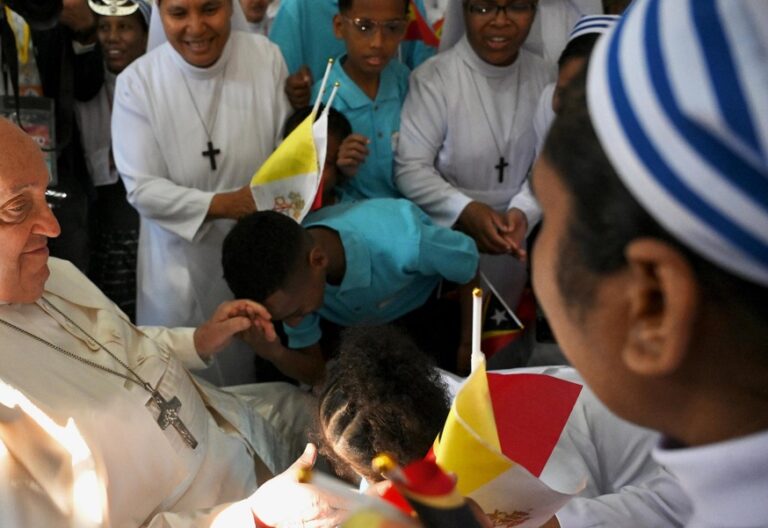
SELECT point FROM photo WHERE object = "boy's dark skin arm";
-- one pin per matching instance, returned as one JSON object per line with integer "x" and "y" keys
{"x": 303, "y": 364}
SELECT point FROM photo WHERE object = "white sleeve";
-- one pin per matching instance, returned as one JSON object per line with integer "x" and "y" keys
{"x": 235, "y": 515}
{"x": 179, "y": 342}
{"x": 140, "y": 162}
{"x": 657, "y": 502}
{"x": 423, "y": 127}
{"x": 526, "y": 202}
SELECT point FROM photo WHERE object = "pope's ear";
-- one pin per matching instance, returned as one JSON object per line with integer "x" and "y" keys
{"x": 664, "y": 297}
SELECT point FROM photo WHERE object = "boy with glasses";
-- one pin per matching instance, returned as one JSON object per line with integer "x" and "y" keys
{"x": 304, "y": 33}
{"x": 371, "y": 93}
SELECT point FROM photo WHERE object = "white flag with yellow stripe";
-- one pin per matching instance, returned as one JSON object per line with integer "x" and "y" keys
{"x": 288, "y": 182}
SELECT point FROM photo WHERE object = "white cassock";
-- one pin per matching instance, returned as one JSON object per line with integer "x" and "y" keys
{"x": 152, "y": 476}
{"x": 159, "y": 140}
{"x": 460, "y": 118}
{"x": 543, "y": 117}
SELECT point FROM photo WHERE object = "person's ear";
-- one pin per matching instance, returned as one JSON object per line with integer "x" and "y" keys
{"x": 337, "y": 23}
{"x": 663, "y": 297}
{"x": 318, "y": 258}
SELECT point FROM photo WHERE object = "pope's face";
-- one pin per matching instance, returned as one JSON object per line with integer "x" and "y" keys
{"x": 496, "y": 36}
{"x": 26, "y": 221}
{"x": 197, "y": 29}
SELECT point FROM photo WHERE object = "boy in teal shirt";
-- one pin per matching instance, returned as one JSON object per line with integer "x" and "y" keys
{"x": 371, "y": 92}
{"x": 353, "y": 264}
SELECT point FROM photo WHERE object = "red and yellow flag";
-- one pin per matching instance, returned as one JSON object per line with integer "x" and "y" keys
{"x": 499, "y": 435}
{"x": 418, "y": 28}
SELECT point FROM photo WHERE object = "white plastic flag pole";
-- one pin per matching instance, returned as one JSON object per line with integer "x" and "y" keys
{"x": 335, "y": 90}
{"x": 321, "y": 93}
{"x": 477, "y": 327}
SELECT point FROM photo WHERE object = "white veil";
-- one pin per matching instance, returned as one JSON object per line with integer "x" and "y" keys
{"x": 157, "y": 33}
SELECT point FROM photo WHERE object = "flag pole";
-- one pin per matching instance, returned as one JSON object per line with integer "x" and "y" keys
{"x": 477, "y": 327}
{"x": 327, "y": 108}
{"x": 321, "y": 93}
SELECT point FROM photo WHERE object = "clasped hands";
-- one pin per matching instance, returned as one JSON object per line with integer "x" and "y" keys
{"x": 495, "y": 233}
{"x": 247, "y": 319}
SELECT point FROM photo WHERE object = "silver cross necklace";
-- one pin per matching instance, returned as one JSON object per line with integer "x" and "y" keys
{"x": 169, "y": 409}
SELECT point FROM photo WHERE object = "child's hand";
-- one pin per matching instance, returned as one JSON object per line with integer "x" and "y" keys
{"x": 298, "y": 87}
{"x": 352, "y": 152}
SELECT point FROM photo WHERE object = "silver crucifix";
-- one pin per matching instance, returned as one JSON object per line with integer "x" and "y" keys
{"x": 169, "y": 415}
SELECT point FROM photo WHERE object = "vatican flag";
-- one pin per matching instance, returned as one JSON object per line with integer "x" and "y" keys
{"x": 499, "y": 435}
{"x": 289, "y": 182}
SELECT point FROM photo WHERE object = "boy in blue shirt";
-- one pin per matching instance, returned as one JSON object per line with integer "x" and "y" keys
{"x": 371, "y": 92}
{"x": 304, "y": 33}
{"x": 353, "y": 264}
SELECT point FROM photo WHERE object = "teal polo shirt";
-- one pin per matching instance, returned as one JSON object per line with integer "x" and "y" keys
{"x": 303, "y": 30}
{"x": 378, "y": 120}
{"x": 395, "y": 258}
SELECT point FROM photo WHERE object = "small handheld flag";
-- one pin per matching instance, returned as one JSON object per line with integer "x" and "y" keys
{"x": 289, "y": 180}
{"x": 500, "y": 433}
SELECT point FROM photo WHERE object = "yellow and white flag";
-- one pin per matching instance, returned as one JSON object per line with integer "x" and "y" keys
{"x": 289, "y": 181}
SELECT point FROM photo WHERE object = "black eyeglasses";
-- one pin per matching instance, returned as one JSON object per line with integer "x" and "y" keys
{"x": 389, "y": 28}
{"x": 488, "y": 10}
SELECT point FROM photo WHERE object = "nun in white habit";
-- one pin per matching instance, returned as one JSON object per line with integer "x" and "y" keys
{"x": 193, "y": 119}
{"x": 466, "y": 136}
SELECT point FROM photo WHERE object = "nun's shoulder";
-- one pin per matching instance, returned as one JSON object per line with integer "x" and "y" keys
{"x": 250, "y": 45}
{"x": 436, "y": 68}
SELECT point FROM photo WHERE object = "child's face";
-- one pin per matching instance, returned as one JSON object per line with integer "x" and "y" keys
{"x": 372, "y": 31}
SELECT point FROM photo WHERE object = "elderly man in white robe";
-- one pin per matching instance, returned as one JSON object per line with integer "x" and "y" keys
{"x": 466, "y": 136}
{"x": 172, "y": 450}
{"x": 193, "y": 119}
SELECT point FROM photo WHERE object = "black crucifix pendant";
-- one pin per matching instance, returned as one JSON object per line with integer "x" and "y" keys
{"x": 501, "y": 166}
{"x": 169, "y": 415}
{"x": 211, "y": 154}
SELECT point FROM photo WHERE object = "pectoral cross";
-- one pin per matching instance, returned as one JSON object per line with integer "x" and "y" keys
{"x": 211, "y": 154}
{"x": 501, "y": 166}
{"x": 169, "y": 415}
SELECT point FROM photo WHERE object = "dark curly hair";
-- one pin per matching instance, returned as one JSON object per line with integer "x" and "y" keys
{"x": 382, "y": 394}
{"x": 262, "y": 253}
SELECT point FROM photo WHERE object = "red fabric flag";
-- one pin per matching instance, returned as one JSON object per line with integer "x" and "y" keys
{"x": 530, "y": 412}
{"x": 418, "y": 28}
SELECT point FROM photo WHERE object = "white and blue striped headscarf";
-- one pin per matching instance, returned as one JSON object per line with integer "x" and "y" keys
{"x": 678, "y": 95}
{"x": 593, "y": 24}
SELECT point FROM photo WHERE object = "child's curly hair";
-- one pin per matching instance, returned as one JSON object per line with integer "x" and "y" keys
{"x": 382, "y": 394}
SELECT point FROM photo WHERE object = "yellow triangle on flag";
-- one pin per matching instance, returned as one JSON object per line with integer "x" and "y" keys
{"x": 473, "y": 404}
{"x": 469, "y": 445}
{"x": 295, "y": 156}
